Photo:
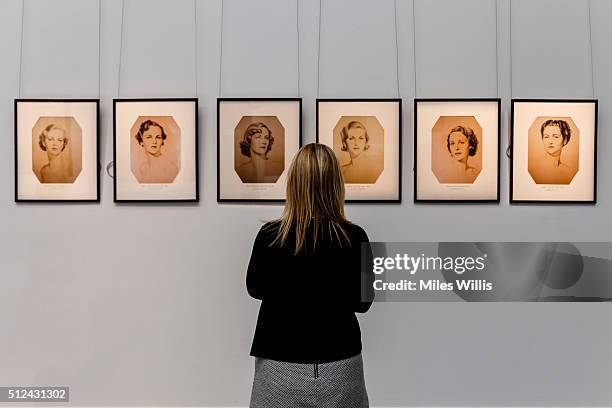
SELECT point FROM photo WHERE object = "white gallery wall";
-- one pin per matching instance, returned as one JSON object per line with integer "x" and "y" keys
{"x": 146, "y": 304}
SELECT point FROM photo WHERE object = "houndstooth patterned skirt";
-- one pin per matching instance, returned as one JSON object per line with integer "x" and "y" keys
{"x": 338, "y": 384}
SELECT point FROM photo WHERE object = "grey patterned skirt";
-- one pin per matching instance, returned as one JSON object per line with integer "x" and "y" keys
{"x": 338, "y": 384}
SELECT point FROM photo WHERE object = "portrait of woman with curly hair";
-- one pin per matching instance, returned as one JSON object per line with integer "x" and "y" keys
{"x": 155, "y": 166}
{"x": 456, "y": 155}
{"x": 257, "y": 145}
{"x": 549, "y": 162}
{"x": 462, "y": 143}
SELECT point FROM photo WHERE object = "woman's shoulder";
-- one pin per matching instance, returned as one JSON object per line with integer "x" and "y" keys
{"x": 268, "y": 225}
{"x": 355, "y": 230}
{"x": 268, "y": 230}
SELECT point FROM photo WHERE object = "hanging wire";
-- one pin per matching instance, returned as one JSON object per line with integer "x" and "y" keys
{"x": 591, "y": 48}
{"x": 221, "y": 50}
{"x": 414, "y": 51}
{"x": 195, "y": 47}
{"x": 496, "y": 50}
{"x": 297, "y": 26}
{"x": 99, "y": 47}
{"x": 111, "y": 164}
{"x": 509, "y": 147}
{"x": 397, "y": 64}
{"x": 120, "y": 49}
{"x": 319, "y": 50}
{"x": 510, "y": 48}
{"x": 21, "y": 46}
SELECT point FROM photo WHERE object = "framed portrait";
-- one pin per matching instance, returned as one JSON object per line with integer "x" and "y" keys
{"x": 57, "y": 151}
{"x": 554, "y": 151}
{"x": 366, "y": 135}
{"x": 155, "y": 150}
{"x": 256, "y": 141}
{"x": 456, "y": 150}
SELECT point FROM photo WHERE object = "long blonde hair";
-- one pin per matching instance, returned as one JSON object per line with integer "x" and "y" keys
{"x": 315, "y": 195}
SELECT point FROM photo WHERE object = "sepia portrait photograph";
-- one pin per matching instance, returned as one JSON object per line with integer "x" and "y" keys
{"x": 359, "y": 145}
{"x": 257, "y": 139}
{"x": 456, "y": 154}
{"x": 365, "y": 135}
{"x": 57, "y": 149}
{"x": 553, "y": 151}
{"x": 457, "y": 150}
{"x": 259, "y": 154}
{"x": 57, "y": 155}
{"x": 155, "y": 150}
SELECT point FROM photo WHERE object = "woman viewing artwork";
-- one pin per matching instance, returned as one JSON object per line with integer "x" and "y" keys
{"x": 312, "y": 270}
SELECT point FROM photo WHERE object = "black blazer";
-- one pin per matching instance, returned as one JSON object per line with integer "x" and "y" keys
{"x": 309, "y": 300}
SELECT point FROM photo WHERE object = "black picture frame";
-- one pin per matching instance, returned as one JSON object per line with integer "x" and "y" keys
{"x": 260, "y": 99}
{"x": 397, "y": 200}
{"x": 97, "y": 199}
{"x": 514, "y": 201}
{"x": 196, "y": 199}
{"x": 496, "y": 200}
